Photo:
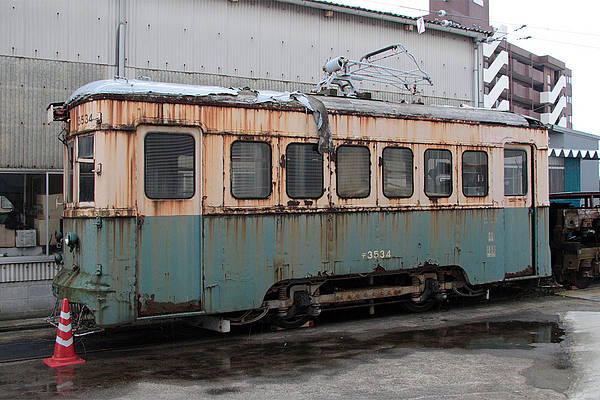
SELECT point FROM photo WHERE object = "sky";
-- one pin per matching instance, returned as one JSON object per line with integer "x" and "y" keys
{"x": 566, "y": 30}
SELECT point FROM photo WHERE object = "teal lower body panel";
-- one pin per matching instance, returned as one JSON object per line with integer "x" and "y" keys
{"x": 244, "y": 255}
{"x": 99, "y": 271}
{"x": 125, "y": 268}
{"x": 169, "y": 273}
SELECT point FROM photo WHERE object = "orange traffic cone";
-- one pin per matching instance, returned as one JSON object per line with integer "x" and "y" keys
{"x": 64, "y": 352}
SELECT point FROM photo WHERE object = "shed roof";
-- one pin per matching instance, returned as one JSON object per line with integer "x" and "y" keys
{"x": 387, "y": 15}
{"x": 568, "y": 131}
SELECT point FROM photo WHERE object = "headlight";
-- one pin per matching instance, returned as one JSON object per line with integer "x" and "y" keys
{"x": 71, "y": 240}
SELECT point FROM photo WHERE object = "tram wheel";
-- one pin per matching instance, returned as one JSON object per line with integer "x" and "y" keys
{"x": 421, "y": 306}
{"x": 291, "y": 322}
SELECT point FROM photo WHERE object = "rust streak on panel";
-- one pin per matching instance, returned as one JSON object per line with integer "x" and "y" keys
{"x": 150, "y": 307}
{"x": 526, "y": 272}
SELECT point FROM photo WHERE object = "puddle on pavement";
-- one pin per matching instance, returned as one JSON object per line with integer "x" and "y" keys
{"x": 492, "y": 335}
{"x": 299, "y": 357}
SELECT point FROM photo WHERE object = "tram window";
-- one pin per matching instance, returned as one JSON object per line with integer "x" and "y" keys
{"x": 304, "y": 171}
{"x": 475, "y": 173}
{"x": 353, "y": 171}
{"x": 515, "y": 172}
{"x": 250, "y": 170}
{"x": 397, "y": 172}
{"x": 85, "y": 159}
{"x": 169, "y": 165}
{"x": 438, "y": 173}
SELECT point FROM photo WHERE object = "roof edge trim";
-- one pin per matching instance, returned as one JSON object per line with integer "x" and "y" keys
{"x": 389, "y": 16}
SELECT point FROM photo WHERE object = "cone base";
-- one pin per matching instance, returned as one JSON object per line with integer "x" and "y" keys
{"x": 62, "y": 362}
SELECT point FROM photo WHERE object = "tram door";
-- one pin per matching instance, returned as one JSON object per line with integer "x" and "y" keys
{"x": 519, "y": 190}
{"x": 169, "y": 251}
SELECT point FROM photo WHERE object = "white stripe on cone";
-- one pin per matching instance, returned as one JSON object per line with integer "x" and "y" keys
{"x": 64, "y": 328}
{"x": 64, "y": 385}
{"x": 65, "y": 315}
{"x": 63, "y": 342}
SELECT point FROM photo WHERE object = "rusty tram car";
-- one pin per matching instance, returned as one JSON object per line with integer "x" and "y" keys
{"x": 206, "y": 202}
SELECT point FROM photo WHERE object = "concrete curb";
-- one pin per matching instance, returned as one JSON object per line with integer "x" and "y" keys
{"x": 22, "y": 324}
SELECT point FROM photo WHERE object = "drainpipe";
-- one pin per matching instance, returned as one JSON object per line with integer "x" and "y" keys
{"x": 476, "y": 43}
{"x": 121, "y": 45}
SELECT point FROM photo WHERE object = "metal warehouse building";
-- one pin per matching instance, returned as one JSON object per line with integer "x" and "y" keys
{"x": 51, "y": 48}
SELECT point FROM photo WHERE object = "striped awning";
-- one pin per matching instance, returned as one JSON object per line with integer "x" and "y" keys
{"x": 575, "y": 153}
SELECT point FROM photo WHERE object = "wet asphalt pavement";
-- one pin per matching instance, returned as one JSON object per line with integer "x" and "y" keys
{"x": 511, "y": 349}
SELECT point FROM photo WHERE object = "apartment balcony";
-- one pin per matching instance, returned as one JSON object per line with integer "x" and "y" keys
{"x": 524, "y": 94}
{"x": 525, "y": 72}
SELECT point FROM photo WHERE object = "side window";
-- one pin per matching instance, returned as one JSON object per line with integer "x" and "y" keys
{"x": 397, "y": 172}
{"x": 304, "y": 171}
{"x": 250, "y": 170}
{"x": 69, "y": 184}
{"x": 515, "y": 172}
{"x": 85, "y": 159}
{"x": 438, "y": 173}
{"x": 353, "y": 171}
{"x": 475, "y": 173}
{"x": 169, "y": 161}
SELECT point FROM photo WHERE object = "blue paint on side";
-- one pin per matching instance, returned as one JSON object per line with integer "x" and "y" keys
{"x": 169, "y": 277}
{"x": 100, "y": 271}
{"x": 518, "y": 240}
{"x": 244, "y": 255}
{"x": 543, "y": 265}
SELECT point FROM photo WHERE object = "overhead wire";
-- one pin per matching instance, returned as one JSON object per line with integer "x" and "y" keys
{"x": 490, "y": 21}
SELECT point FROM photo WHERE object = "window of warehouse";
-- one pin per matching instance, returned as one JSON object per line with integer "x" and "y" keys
{"x": 556, "y": 171}
{"x": 250, "y": 170}
{"x": 397, "y": 172}
{"x": 438, "y": 173}
{"x": 85, "y": 159}
{"x": 169, "y": 171}
{"x": 475, "y": 173}
{"x": 304, "y": 171}
{"x": 353, "y": 171}
{"x": 515, "y": 172}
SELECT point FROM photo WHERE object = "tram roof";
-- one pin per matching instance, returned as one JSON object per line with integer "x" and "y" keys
{"x": 143, "y": 90}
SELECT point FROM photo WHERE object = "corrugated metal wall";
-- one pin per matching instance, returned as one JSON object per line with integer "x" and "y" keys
{"x": 27, "y": 86}
{"x": 84, "y": 31}
{"x": 21, "y": 269}
{"x": 54, "y": 47}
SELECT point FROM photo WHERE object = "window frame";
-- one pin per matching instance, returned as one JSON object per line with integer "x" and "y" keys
{"x": 166, "y": 132}
{"x": 487, "y": 173}
{"x": 553, "y": 166}
{"x": 270, "y": 169}
{"x": 337, "y": 175}
{"x": 412, "y": 175}
{"x": 425, "y": 174}
{"x": 287, "y": 169}
{"x": 69, "y": 175}
{"x": 525, "y": 172}
{"x": 77, "y": 167}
